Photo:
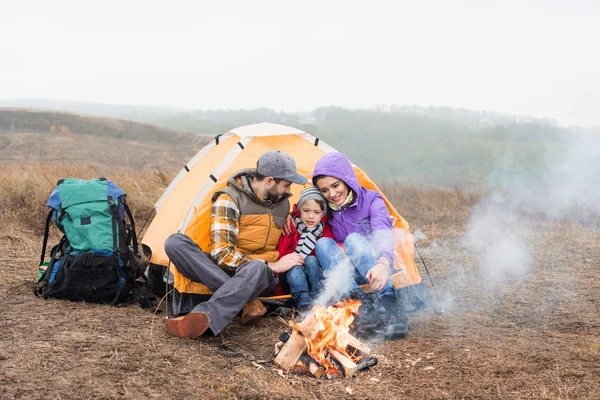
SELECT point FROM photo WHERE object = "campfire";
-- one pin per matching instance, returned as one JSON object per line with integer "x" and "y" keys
{"x": 322, "y": 344}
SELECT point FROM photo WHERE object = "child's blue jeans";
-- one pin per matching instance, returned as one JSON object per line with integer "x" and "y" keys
{"x": 305, "y": 282}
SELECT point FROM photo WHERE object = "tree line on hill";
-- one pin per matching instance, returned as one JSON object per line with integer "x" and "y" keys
{"x": 436, "y": 146}
{"x": 429, "y": 146}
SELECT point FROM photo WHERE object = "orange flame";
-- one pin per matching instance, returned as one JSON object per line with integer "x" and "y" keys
{"x": 331, "y": 326}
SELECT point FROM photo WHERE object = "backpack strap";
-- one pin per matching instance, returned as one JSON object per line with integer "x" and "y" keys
{"x": 133, "y": 234}
{"x": 46, "y": 231}
{"x": 62, "y": 247}
{"x": 114, "y": 210}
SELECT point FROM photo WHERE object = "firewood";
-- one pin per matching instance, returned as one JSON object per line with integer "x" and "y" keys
{"x": 312, "y": 365}
{"x": 292, "y": 350}
{"x": 284, "y": 337}
{"x": 357, "y": 344}
{"x": 306, "y": 327}
{"x": 366, "y": 363}
{"x": 349, "y": 368}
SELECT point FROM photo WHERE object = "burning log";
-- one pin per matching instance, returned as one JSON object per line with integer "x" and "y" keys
{"x": 366, "y": 363}
{"x": 322, "y": 343}
{"x": 357, "y": 344}
{"x": 312, "y": 365}
{"x": 349, "y": 368}
{"x": 292, "y": 350}
{"x": 309, "y": 363}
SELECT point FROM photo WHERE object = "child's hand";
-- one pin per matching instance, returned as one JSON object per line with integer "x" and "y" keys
{"x": 287, "y": 227}
{"x": 377, "y": 276}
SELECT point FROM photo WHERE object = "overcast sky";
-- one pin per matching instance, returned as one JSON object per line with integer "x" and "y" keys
{"x": 537, "y": 58}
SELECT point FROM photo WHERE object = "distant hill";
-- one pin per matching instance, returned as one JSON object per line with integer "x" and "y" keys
{"x": 436, "y": 146}
{"x": 59, "y": 137}
{"x": 133, "y": 113}
{"x": 13, "y": 120}
{"x": 431, "y": 146}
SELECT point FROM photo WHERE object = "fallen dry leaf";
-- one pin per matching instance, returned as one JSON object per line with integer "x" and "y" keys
{"x": 348, "y": 390}
{"x": 258, "y": 366}
{"x": 428, "y": 368}
{"x": 375, "y": 379}
{"x": 413, "y": 362}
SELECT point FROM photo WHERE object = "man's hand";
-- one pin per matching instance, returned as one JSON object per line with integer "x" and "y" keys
{"x": 286, "y": 263}
{"x": 287, "y": 227}
{"x": 377, "y": 276}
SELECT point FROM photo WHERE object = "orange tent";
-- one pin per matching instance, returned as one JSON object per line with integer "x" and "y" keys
{"x": 185, "y": 204}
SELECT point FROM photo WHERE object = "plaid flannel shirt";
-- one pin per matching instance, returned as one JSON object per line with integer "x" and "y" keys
{"x": 224, "y": 228}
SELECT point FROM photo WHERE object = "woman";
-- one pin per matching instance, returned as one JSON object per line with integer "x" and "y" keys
{"x": 361, "y": 221}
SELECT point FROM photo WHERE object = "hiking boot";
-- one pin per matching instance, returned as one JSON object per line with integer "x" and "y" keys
{"x": 367, "y": 319}
{"x": 396, "y": 325}
{"x": 253, "y": 311}
{"x": 302, "y": 314}
{"x": 190, "y": 326}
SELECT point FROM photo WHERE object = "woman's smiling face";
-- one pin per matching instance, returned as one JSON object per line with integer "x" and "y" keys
{"x": 333, "y": 189}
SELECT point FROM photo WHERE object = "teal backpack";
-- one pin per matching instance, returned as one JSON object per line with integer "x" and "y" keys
{"x": 97, "y": 258}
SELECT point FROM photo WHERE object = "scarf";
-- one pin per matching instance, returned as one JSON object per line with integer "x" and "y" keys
{"x": 308, "y": 237}
{"x": 349, "y": 200}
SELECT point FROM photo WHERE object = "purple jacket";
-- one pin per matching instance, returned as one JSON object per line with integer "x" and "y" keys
{"x": 368, "y": 215}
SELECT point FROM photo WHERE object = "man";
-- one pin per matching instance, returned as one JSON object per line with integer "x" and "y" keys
{"x": 246, "y": 220}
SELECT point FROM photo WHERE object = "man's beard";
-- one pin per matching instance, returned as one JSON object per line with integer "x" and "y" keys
{"x": 273, "y": 195}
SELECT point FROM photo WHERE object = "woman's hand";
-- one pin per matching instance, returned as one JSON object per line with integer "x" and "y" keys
{"x": 287, "y": 227}
{"x": 378, "y": 275}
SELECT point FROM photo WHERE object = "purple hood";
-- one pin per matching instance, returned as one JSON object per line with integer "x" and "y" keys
{"x": 368, "y": 215}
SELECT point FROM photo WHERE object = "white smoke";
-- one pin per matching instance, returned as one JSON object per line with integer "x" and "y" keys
{"x": 571, "y": 188}
{"x": 499, "y": 239}
{"x": 568, "y": 189}
{"x": 419, "y": 235}
{"x": 337, "y": 283}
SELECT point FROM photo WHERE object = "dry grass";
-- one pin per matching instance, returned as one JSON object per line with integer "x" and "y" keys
{"x": 104, "y": 153}
{"x": 531, "y": 337}
{"x": 440, "y": 212}
{"x": 25, "y": 189}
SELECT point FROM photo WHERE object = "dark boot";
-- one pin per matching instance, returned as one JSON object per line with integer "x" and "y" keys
{"x": 396, "y": 325}
{"x": 367, "y": 321}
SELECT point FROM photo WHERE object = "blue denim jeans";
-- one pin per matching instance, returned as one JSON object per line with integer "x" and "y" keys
{"x": 305, "y": 282}
{"x": 359, "y": 252}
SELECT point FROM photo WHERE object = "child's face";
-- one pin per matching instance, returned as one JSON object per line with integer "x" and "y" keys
{"x": 311, "y": 213}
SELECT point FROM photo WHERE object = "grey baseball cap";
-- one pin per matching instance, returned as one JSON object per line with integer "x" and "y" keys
{"x": 280, "y": 165}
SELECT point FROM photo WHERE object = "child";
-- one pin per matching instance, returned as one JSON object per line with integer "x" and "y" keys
{"x": 310, "y": 224}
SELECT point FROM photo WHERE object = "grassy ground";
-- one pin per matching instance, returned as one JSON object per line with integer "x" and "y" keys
{"x": 536, "y": 336}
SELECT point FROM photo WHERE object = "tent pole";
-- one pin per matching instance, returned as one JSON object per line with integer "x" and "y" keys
{"x": 145, "y": 222}
{"x": 441, "y": 312}
{"x": 167, "y": 290}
